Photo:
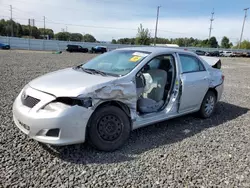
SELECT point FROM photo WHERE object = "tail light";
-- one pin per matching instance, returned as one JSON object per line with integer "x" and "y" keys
{"x": 223, "y": 77}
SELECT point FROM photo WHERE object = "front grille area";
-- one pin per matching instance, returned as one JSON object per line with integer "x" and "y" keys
{"x": 30, "y": 101}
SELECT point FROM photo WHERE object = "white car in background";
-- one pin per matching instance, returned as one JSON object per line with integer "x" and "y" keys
{"x": 227, "y": 54}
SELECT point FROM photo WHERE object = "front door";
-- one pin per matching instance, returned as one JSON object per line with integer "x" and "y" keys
{"x": 195, "y": 83}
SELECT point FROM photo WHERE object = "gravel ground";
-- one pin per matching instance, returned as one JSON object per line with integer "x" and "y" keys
{"x": 182, "y": 152}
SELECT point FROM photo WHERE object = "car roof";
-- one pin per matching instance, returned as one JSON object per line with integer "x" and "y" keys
{"x": 156, "y": 49}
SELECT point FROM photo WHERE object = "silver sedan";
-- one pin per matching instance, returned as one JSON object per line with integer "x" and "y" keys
{"x": 106, "y": 98}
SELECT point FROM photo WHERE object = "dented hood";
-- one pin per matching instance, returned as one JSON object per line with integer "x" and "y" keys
{"x": 69, "y": 82}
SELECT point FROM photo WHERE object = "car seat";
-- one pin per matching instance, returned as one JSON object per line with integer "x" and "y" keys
{"x": 153, "y": 92}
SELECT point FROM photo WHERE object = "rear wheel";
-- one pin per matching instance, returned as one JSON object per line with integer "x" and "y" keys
{"x": 208, "y": 105}
{"x": 109, "y": 128}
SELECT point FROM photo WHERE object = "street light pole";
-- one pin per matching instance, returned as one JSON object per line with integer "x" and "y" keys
{"x": 211, "y": 23}
{"x": 243, "y": 26}
{"x": 156, "y": 26}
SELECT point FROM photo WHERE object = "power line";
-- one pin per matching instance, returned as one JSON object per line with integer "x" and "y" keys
{"x": 211, "y": 23}
{"x": 246, "y": 9}
{"x": 156, "y": 25}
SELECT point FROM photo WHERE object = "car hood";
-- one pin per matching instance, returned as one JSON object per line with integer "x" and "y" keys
{"x": 69, "y": 82}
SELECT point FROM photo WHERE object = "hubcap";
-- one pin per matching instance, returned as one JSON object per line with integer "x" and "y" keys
{"x": 109, "y": 127}
{"x": 209, "y": 106}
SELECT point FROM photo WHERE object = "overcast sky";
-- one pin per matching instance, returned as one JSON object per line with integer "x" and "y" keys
{"x": 107, "y": 19}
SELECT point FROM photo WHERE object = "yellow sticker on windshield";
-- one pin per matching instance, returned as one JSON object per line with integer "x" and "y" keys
{"x": 135, "y": 58}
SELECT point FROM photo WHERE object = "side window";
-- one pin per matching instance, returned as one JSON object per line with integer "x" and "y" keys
{"x": 154, "y": 63}
{"x": 191, "y": 64}
{"x": 164, "y": 62}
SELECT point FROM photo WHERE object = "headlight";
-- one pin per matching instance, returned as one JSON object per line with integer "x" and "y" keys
{"x": 56, "y": 106}
{"x": 63, "y": 103}
{"x": 86, "y": 102}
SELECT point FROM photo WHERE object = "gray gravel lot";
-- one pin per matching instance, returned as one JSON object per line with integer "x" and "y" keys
{"x": 182, "y": 152}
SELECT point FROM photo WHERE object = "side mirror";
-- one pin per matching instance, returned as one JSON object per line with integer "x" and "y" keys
{"x": 145, "y": 68}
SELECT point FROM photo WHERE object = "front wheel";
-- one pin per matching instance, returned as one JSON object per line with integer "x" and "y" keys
{"x": 208, "y": 105}
{"x": 109, "y": 128}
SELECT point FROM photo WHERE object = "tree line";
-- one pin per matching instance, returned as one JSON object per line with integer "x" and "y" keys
{"x": 143, "y": 37}
{"x": 26, "y": 31}
{"x": 182, "y": 42}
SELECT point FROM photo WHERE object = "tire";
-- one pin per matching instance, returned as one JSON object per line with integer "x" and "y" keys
{"x": 109, "y": 128}
{"x": 208, "y": 101}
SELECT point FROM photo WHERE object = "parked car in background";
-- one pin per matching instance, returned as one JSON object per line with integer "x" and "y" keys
{"x": 238, "y": 54}
{"x": 4, "y": 46}
{"x": 214, "y": 53}
{"x": 246, "y": 54}
{"x": 200, "y": 52}
{"x": 76, "y": 48}
{"x": 227, "y": 54}
{"x": 106, "y": 98}
{"x": 99, "y": 49}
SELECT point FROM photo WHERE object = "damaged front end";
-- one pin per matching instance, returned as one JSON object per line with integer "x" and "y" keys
{"x": 122, "y": 92}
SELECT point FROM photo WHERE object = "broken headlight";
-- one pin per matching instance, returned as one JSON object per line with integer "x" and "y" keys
{"x": 63, "y": 103}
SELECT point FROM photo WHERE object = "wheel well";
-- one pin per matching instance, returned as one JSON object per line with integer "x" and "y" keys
{"x": 118, "y": 104}
{"x": 214, "y": 91}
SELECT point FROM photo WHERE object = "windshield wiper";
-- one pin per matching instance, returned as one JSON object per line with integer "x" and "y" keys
{"x": 83, "y": 69}
{"x": 96, "y": 71}
{"x": 101, "y": 72}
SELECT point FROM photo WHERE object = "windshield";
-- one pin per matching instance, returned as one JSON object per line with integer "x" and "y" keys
{"x": 118, "y": 62}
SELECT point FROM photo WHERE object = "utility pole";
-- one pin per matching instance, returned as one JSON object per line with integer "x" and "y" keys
{"x": 12, "y": 32}
{"x": 211, "y": 24}
{"x": 156, "y": 26}
{"x": 43, "y": 32}
{"x": 246, "y": 9}
{"x": 43, "y": 27}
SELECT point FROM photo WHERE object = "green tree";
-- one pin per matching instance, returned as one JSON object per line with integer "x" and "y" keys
{"x": 2, "y": 27}
{"x": 48, "y": 32}
{"x": 76, "y": 37}
{"x": 64, "y": 36}
{"x": 225, "y": 43}
{"x": 244, "y": 44}
{"x": 28, "y": 30}
{"x": 8, "y": 25}
{"x": 132, "y": 41}
{"x": 25, "y": 29}
{"x": 126, "y": 41}
{"x": 143, "y": 36}
{"x": 89, "y": 38}
{"x": 160, "y": 40}
{"x": 35, "y": 32}
{"x": 113, "y": 41}
{"x": 18, "y": 32}
{"x": 212, "y": 42}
